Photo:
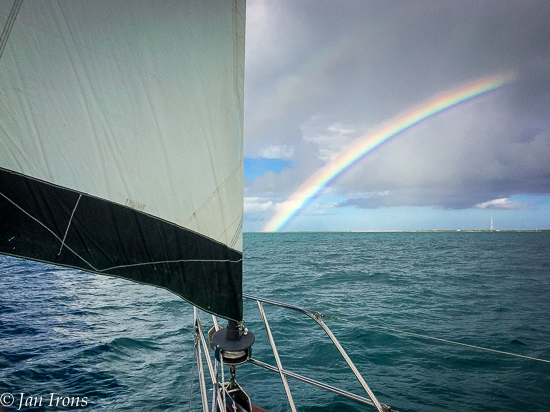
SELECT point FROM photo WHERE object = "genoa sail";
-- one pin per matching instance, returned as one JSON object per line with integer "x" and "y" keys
{"x": 121, "y": 141}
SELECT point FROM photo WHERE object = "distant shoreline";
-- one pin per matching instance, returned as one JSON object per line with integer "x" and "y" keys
{"x": 408, "y": 231}
{"x": 482, "y": 230}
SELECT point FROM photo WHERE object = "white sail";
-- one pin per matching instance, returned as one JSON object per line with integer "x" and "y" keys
{"x": 136, "y": 103}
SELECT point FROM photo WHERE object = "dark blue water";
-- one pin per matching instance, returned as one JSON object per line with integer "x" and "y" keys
{"x": 128, "y": 347}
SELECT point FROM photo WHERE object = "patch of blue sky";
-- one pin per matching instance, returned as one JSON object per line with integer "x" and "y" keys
{"x": 532, "y": 201}
{"x": 257, "y": 166}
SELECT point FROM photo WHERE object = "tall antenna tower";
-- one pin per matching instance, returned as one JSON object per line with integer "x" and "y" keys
{"x": 491, "y": 222}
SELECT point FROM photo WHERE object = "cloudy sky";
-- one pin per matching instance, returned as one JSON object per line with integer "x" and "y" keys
{"x": 322, "y": 74}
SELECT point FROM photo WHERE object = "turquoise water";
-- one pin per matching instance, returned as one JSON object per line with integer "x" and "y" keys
{"x": 128, "y": 347}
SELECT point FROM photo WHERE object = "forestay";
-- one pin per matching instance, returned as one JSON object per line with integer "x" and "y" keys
{"x": 121, "y": 127}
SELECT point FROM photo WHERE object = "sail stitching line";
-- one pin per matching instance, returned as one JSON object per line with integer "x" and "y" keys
{"x": 174, "y": 261}
{"x": 114, "y": 267}
{"x": 9, "y": 25}
{"x": 69, "y": 224}
{"x": 48, "y": 229}
{"x": 209, "y": 199}
{"x": 157, "y": 218}
{"x": 237, "y": 233}
{"x": 432, "y": 338}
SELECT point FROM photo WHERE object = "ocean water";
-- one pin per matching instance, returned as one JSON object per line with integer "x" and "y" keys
{"x": 116, "y": 345}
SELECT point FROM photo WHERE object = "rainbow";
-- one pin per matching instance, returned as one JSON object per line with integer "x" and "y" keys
{"x": 367, "y": 143}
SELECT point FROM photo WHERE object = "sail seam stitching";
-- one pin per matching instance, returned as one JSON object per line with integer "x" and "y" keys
{"x": 48, "y": 229}
{"x": 114, "y": 267}
{"x": 237, "y": 233}
{"x": 157, "y": 218}
{"x": 9, "y": 25}
{"x": 213, "y": 194}
{"x": 174, "y": 261}
{"x": 69, "y": 225}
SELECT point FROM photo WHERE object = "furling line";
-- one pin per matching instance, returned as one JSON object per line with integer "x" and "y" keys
{"x": 432, "y": 338}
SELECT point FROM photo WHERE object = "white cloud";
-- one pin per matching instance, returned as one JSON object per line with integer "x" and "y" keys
{"x": 325, "y": 206}
{"x": 278, "y": 152}
{"x": 503, "y": 203}
{"x": 257, "y": 204}
{"x": 330, "y": 139}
